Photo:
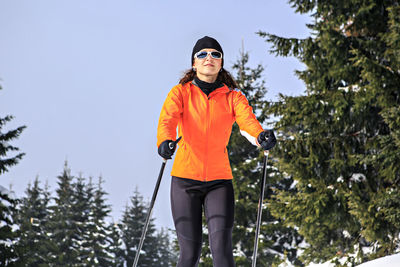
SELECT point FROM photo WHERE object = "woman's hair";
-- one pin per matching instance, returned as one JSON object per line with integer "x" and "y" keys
{"x": 223, "y": 76}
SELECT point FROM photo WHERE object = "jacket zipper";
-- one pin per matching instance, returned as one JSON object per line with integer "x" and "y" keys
{"x": 207, "y": 137}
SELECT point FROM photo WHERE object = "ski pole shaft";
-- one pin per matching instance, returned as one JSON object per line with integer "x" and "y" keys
{"x": 153, "y": 199}
{"x": 146, "y": 224}
{"x": 259, "y": 212}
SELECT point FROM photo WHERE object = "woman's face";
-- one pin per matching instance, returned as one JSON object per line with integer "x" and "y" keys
{"x": 207, "y": 69}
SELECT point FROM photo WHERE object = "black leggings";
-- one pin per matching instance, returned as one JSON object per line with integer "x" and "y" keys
{"x": 187, "y": 200}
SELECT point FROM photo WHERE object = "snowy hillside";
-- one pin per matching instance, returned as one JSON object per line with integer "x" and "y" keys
{"x": 388, "y": 261}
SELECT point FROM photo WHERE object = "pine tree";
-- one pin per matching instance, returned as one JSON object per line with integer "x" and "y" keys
{"x": 116, "y": 246}
{"x": 8, "y": 232}
{"x": 32, "y": 218}
{"x": 81, "y": 210}
{"x": 62, "y": 227}
{"x": 338, "y": 140}
{"x": 82, "y": 226}
{"x": 132, "y": 225}
{"x": 100, "y": 230}
{"x": 164, "y": 254}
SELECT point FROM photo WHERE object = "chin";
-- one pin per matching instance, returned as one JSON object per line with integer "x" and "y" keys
{"x": 210, "y": 73}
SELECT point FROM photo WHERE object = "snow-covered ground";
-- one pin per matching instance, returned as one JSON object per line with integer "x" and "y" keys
{"x": 388, "y": 261}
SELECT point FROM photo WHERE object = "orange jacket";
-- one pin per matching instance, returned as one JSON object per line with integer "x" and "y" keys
{"x": 205, "y": 124}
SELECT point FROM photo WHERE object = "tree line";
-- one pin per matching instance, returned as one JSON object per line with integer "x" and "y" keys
{"x": 74, "y": 228}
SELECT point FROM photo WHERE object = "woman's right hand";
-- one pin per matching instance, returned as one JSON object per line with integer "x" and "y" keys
{"x": 167, "y": 149}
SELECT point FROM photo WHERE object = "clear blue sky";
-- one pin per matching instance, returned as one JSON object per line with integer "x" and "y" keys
{"x": 88, "y": 79}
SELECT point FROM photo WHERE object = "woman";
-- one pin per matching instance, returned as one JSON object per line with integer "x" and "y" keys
{"x": 204, "y": 106}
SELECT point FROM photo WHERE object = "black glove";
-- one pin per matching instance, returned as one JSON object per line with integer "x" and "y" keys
{"x": 267, "y": 139}
{"x": 167, "y": 149}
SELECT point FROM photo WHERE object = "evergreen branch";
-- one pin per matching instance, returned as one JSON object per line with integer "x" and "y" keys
{"x": 10, "y": 135}
{"x": 5, "y": 148}
{"x": 4, "y": 163}
{"x": 6, "y": 119}
{"x": 364, "y": 58}
{"x": 303, "y": 6}
{"x": 286, "y": 46}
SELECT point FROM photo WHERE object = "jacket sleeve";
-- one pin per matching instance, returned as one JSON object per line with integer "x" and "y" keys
{"x": 170, "y": 115}
{"x": 245, "y": 117}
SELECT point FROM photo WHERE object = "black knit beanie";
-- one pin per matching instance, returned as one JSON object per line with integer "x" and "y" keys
{"x": 207, "y": 42}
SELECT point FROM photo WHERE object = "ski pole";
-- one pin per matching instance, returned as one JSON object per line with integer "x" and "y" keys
{"x": 172, "y": 145}
{"x": 259, "y": 212}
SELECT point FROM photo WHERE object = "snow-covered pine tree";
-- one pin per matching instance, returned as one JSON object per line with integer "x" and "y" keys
{"x": 8, "y": 231}
{"x": 132, "y": 224}
{"x": 116, "y": 247}
{"x": 165, "y": 254}
{"x": 99, "y": 239}
{"x": 32, "y": 218}
{"x": 339, "y": 139}
{"x": 81, "y": 222}
{"x": 62, "y": 227}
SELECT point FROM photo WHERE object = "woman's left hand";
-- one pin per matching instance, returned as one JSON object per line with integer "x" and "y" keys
{"x": 266, "y": 139}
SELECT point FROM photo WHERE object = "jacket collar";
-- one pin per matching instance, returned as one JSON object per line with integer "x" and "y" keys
{"x": 223, "y": 89}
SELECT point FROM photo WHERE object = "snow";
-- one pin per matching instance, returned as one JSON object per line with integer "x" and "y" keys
{"x": 293, "y": 185}
{"x": 346, "y": 234}
{"x": 3, "y": 190}
{"x": 357, "y": 177}
{"x": 354, "y": 88}
{"x": 388, "y": 261}
{"x": 326, "y": 264}
{"x": 247, "y": 161}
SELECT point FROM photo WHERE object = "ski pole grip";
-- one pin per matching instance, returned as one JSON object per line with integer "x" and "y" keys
{"x": 172, "y": 145}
